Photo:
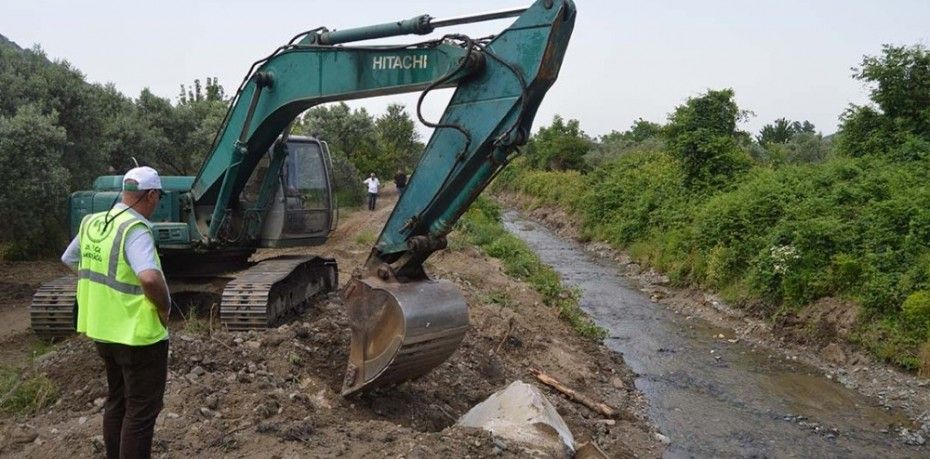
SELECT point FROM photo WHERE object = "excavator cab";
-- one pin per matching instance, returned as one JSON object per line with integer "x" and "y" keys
{"x": 303, "y": 210}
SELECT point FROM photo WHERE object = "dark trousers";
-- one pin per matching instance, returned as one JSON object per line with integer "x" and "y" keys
{"x": 372, "y": 197}
{"x": 136, "y": 378}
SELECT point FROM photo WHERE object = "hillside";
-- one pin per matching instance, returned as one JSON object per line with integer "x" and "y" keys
{"x": 4, "y": 41}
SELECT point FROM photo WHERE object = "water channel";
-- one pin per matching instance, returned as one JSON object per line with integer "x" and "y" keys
{"x": 714, "y": 398}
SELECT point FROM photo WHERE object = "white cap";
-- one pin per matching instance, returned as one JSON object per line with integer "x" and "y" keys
{"x": 145, "y": 177}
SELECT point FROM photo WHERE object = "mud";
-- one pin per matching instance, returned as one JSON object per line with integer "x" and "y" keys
{"x": 275, "y": 393}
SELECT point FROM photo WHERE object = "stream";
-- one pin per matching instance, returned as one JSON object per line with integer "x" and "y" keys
{"x": 712, "y": 397}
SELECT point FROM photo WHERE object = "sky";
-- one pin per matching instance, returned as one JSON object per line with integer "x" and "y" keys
{"x": 626, "y": 60}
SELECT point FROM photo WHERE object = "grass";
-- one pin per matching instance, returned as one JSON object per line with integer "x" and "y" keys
{"x": 196, "y": 325}
{"x": 481, "y": 226}
{"x": 41, "y": 347}
{"x": 24, "y": 395}
{"x": 924, "y": 356}
{"x": 502, "y": 299}
{"x": 196, "y": 320}
{"x": 366, "y": 238}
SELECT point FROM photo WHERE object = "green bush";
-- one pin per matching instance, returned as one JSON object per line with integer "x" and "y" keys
{"x": 917, "y": 307}
{"x": 702, "y": 135}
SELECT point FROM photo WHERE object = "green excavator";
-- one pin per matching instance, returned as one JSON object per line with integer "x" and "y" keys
{"x": 261, "y": 187}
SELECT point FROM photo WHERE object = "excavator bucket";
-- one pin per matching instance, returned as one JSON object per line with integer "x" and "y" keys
{"x": 400, "y": 331}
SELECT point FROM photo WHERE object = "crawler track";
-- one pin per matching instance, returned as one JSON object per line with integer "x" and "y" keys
{"x": 53, "y": 307}
{"x": 255, "y": 298}
{"x": 265, "y": 293}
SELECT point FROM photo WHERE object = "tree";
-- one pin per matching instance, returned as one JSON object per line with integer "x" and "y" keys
{"x": 398, "y": 141}
{"x": 198, "y": 119}
{"x": 899, "y": 122}
{"x": 900, "y": 80}
{"x": 702, "y": 134}
{"x": 84, "y": 130}
{"x": 782, "y": 130}
{"x": 640, "y": 131}
{"x": 350, "y": 132}
{"x": 379, "y": 145}
{"x": 801, "y": 148}
{"x": 35, "y": 182}
{"x": 212, "y": 93}
{"x": 559, "y": 146}
{"x": 641, "y": 136}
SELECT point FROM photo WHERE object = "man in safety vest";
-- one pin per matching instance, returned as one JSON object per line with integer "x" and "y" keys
{"x": 123, "y": 305}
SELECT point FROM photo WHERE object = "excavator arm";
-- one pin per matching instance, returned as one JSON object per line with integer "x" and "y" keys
{"x": 294, "y": 79}
{"x": 403, "y": 323}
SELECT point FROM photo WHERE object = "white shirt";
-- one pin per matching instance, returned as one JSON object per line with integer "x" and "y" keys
{"x": 139, "y": 248}
{"x": 373, "y": 184}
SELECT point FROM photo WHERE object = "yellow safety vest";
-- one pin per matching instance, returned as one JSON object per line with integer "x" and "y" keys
{"x": 111, "y": 305}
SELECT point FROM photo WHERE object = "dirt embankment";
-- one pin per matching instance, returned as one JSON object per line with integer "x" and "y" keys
{"x": 816, "y": 334}
{"x": 275, "y": 393}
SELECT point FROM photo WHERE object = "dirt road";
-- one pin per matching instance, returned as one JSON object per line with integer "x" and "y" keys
{"x": 275, "y": 393}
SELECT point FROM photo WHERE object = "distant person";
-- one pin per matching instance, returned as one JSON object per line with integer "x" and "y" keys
{"x": 373, "y": 185}
{"x": 123, "y": 305}
{"x": 400, "y": 180}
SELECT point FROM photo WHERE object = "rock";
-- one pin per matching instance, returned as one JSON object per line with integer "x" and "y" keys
{"x": 99, "y": 402}
{"x": 297, "y": 431}
{"x": 617, "y": 383}
{"x": 321, "y": 401}
{"x": 173, "y": 415}
{"x": 833, "y": 353}
{"x": 277, "y": 339}
{"x": 82, "y": 420}
{"x": 24, "y": 435}
{"x": 253, "y": 344}
{"x": 267, "y": 409}
{"x": 212, "y": 401}
{"x": 198, "y": 371}
{"x": 662, "y": 438}
{"x": 208, "y": 413}
{"x": 911, "y": 437}
{"x": 98, "y": 444}
{"x": 590, "y": 450}
{"x": 522, "y": 414}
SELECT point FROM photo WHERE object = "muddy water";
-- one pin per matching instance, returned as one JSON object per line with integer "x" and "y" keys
{"x": 711, "y": 397}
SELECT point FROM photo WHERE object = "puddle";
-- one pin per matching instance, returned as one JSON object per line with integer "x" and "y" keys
{"x": 711, "y": 397}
